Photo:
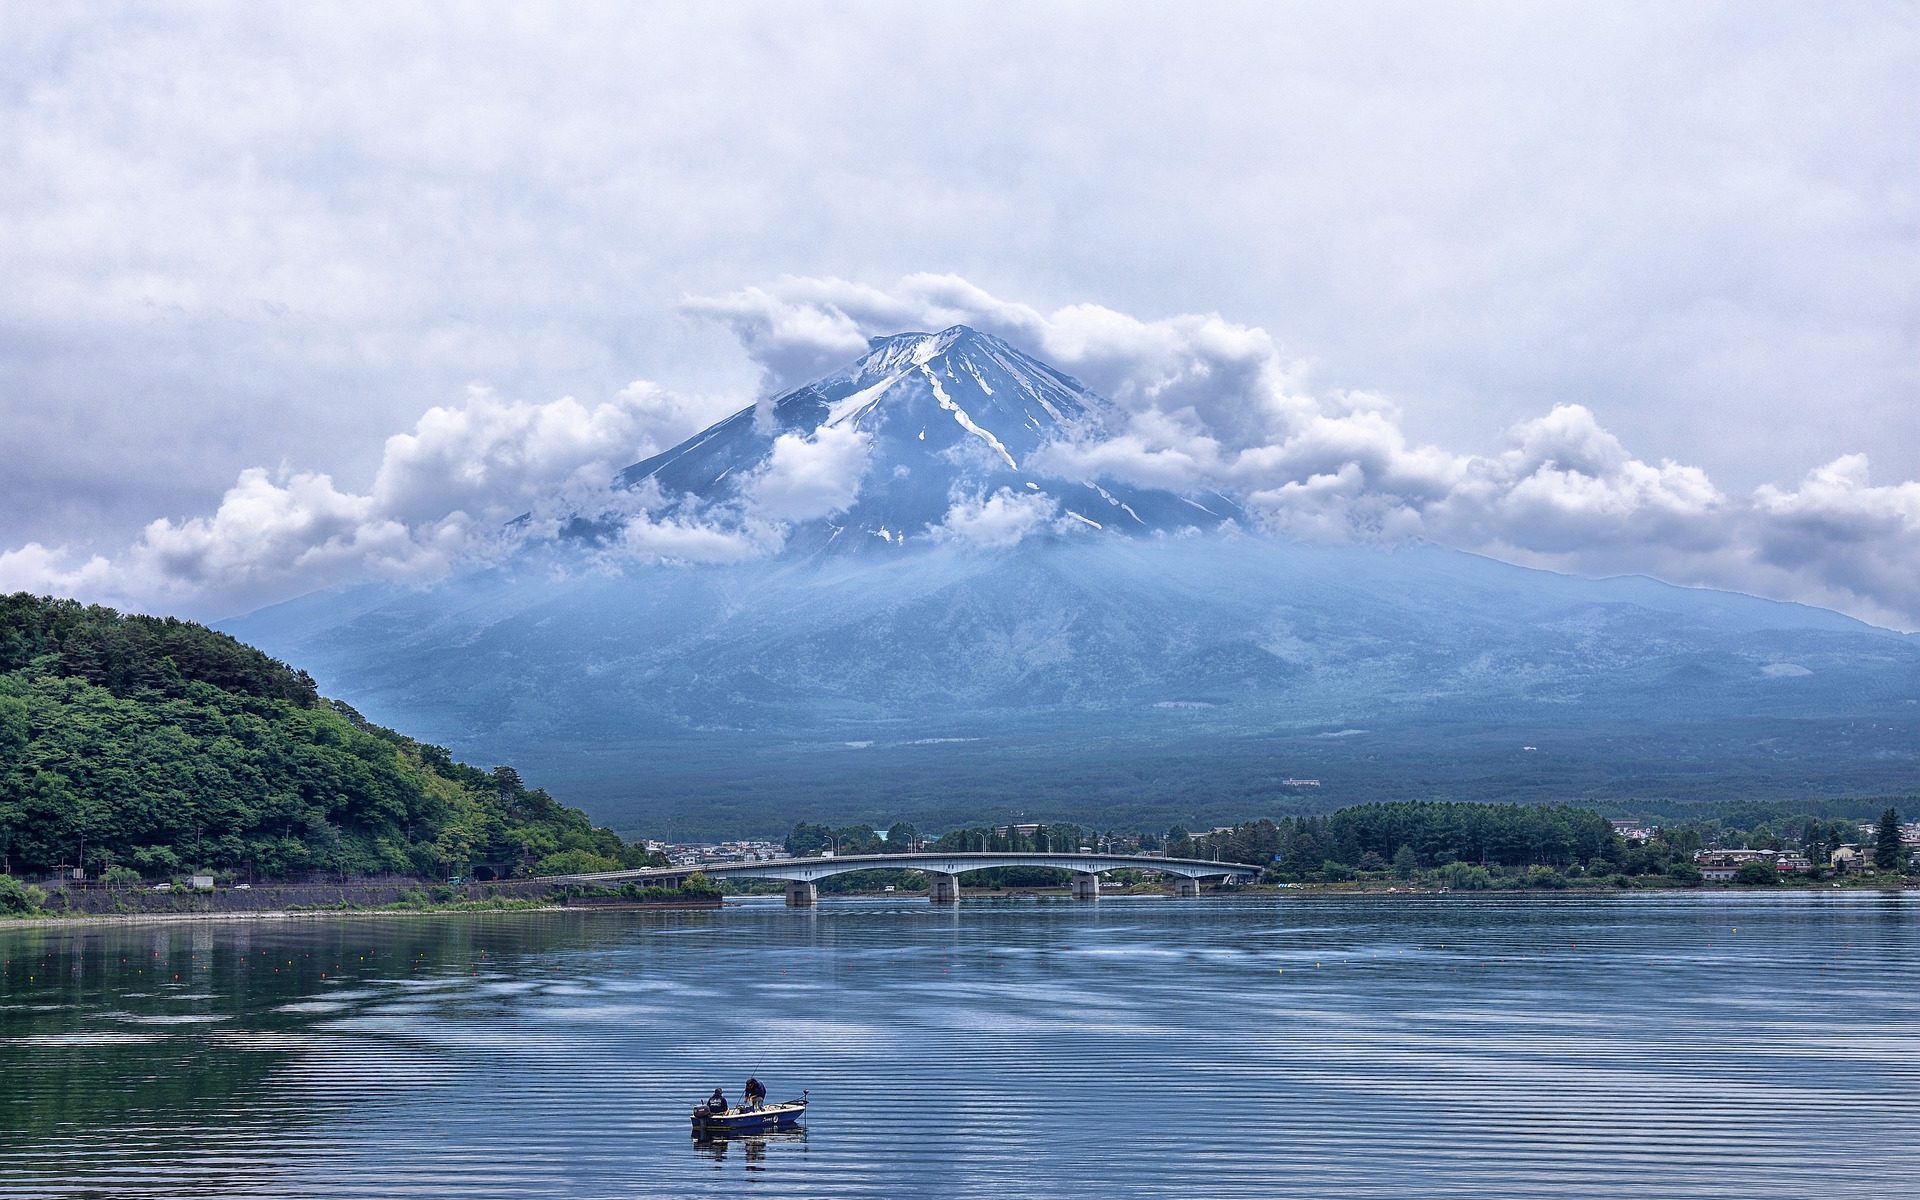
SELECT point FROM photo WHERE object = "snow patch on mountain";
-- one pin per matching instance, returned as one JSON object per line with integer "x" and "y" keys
{"x": 966, "y": 422}
{"x": 860, "y": 403}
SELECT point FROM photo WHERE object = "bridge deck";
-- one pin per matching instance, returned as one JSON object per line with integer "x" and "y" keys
{"x": 807, "y": 870}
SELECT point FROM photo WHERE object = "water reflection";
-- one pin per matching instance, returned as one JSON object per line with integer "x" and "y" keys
{"x": 750, "y": 1149}
{"x": 1647, "y": 1046}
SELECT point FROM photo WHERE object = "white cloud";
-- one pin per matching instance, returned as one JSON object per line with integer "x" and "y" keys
{"x": 440, "y": 500}
{"x": 1859, "y": 542}
{"x": 1002, "y": 519}
{"x": 491, "y": 457}
{"x": 799, "y": 328}
{"x": 1208, "y": 403}
{"x": 58, "y": 571}
{"x": 676, "y": 540}
{"x": 1216, "y": 377}
{"x": 1568, "y": 485}
{"x": 806, "y": 478}
{"x": 1202, "y": 402}
{"x": 268, "y": 527}
{"x": 273, "y": 229}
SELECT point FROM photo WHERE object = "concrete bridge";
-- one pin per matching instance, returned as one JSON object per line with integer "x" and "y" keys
{"x": 943, "y": 871}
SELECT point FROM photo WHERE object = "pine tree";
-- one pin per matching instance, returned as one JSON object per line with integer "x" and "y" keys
{"x": 1405, "y": 861}
{"x": 1886, "y": 842}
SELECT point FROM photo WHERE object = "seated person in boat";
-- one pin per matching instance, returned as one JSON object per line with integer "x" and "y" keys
{"x": 756, "y": 1094}
{"x": 717, "y": 1103}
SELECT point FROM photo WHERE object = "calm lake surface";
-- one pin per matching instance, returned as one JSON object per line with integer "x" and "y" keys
{"x": 1643, "y": 1046}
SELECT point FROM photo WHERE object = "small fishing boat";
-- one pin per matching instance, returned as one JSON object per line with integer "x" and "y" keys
{"x": 765, "y": 1119}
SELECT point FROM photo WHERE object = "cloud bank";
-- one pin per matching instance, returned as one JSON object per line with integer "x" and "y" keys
{"x": 440, "y": 501}
{"x": 1203, "y": 403}
{"x": 277, "y": 231}
{"x": 1212, "y": 403}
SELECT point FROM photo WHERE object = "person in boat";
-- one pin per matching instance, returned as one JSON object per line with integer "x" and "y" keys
{"x": 717, "y": 1103}
{"x": 756, "y": 1094}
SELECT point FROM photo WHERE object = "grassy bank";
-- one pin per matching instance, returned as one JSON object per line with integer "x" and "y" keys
{"x": 19, "y": 900}
{"x": 397, "y": 909}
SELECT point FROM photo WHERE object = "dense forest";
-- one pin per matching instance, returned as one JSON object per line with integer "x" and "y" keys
{"x": 153, "y": 745}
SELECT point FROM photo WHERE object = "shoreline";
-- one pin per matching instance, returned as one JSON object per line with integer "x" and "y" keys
{"x": 322, "y": 914}
{"x": 1303, "y": 891}
{"x": 270, "y": 914}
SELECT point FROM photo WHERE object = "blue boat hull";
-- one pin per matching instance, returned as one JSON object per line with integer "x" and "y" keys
{"x": 768, "y": 1119}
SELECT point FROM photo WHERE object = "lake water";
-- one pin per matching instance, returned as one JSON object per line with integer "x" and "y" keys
{"x": 1643, "y": 1046}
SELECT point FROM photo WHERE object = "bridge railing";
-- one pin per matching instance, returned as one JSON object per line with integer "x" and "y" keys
{"x": 967, "y": 861}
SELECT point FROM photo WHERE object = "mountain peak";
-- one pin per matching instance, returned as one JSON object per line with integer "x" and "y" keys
{"x": 947, "y": 419}
{"x": 899, "y": 351}
{"x": 927, "y": 344}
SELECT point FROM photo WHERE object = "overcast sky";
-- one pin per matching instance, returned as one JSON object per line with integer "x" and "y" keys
{"x": 291, "y": 294}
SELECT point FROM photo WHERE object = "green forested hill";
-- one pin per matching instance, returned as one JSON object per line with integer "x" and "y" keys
{"x": 161, "y": 745}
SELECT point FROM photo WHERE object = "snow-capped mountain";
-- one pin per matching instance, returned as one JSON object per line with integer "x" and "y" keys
{"x": 1075, "y": 672}
{"x": 939, "y": 420}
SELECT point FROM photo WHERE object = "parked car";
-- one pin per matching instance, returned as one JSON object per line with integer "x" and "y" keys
{"x": 162, "y": 887}
{"x": 242, "y": 887}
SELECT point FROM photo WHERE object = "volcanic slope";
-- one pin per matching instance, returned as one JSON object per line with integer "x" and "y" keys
{"x": 1135, "y": 657}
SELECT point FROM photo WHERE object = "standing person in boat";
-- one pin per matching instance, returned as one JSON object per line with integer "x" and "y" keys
{"x": 756, "y": 1094}
{"x": 717, "y": 1103}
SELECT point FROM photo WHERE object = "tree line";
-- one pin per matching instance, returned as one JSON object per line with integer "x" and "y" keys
{"x": 1458, "y": 844}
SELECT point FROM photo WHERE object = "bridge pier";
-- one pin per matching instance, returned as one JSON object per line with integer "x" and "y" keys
{"x": 802, "y": 893}
{"x": 943, "y": 888}
{"x": 1086, "y": 886}
{"x": 1186, "y": 886}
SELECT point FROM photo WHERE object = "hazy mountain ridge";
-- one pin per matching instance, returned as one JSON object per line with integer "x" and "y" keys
{"x": 1144, "y": 648}
{"x": 1183, "y": 667}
